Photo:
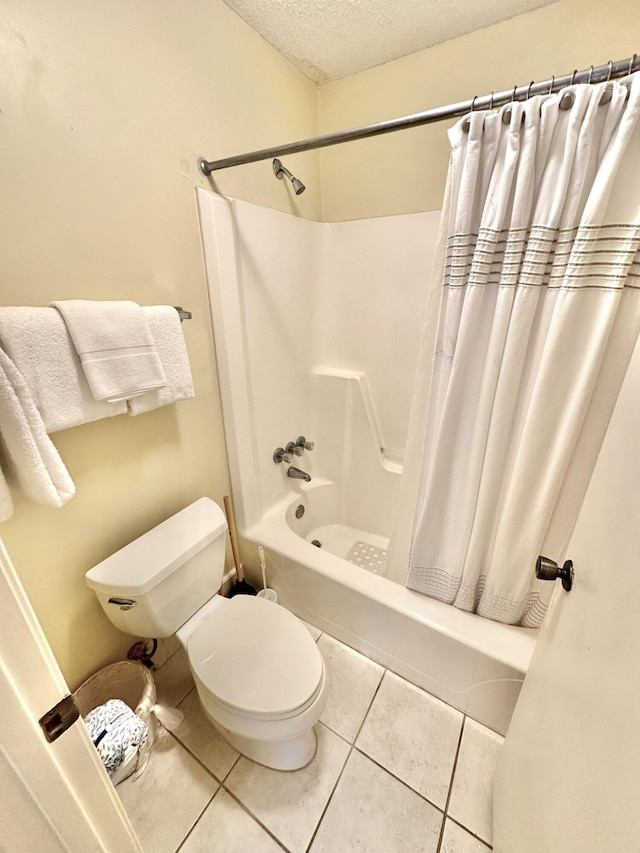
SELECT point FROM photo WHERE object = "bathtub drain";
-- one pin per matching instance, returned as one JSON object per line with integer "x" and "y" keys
{"x": 317, "y": 543}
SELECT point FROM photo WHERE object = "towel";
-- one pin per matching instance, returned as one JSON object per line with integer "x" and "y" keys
{"x": 29, "y": 454}
{"x": 166, "y": 330}
{"x": 115, "y": 347}
{"x": 6, "y": 501}
{"x": 38, "y": 343}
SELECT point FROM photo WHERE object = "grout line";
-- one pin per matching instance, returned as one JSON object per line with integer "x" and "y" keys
{"x": 398, "y": 779}
{"x": 228, "y": 773}
{"x": 329, "y": 798}
{"x": 253, "y": 817}
{"x": 455, "y": 764}
{"x": 195, "y": 757}
{"x": 453, "y": 774}
{"x": 373, "y": 699}
{"x": 469, "y": 832}
{"x": 351, "y": 748}
{"x": 196, "y": 821}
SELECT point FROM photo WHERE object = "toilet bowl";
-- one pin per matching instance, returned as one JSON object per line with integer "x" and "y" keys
{"x": 259, "y": 676}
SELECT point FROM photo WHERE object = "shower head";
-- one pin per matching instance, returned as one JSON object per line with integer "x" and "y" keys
{"x": 280, "y": 171}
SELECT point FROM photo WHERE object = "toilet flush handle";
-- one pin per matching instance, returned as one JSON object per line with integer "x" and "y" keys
{"x": 123, "y": 603}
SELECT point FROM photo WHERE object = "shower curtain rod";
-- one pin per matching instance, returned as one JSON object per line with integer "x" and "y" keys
{"x": 601, "y": 73}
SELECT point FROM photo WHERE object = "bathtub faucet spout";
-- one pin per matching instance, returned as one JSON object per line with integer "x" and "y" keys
{"x": 297, "y": 474}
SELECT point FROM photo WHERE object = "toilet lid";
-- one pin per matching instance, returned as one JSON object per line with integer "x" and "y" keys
{"x": 256, "y": 657}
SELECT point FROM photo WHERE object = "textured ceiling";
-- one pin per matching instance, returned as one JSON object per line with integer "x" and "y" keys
{"x": 329, "y": 39}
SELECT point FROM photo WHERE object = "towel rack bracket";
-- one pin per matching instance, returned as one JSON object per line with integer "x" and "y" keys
{"x": 184, "y": 315}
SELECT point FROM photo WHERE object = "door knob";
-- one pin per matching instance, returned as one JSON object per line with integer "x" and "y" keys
{"x": 548, "y": 570}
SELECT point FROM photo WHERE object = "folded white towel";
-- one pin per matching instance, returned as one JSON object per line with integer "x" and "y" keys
{"x": 29, "y": 454}
{"x": 115, "y": 346}
{"x": 166, "y": 330}
{"x": 38, "y": 343}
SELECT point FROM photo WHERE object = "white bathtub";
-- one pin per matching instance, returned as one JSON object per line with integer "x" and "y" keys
{"x": 291, "y": 364}
{"x": 469, "y": 662}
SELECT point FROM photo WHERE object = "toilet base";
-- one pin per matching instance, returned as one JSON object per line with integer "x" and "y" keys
{"x": 291, "y": 754}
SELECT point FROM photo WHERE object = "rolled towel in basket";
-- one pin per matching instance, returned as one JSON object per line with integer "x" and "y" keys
{"x": 119, "y": 735}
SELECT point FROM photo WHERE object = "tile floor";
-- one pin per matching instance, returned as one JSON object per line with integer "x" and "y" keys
{"x": 396, "y": 771}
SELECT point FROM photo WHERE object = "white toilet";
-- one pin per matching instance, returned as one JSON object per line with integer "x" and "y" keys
{"x": 259, "y": 675}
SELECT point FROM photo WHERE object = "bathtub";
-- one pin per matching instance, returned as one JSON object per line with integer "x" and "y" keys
{"x": 289, "y": 365}
{"x": 471, "y": 663}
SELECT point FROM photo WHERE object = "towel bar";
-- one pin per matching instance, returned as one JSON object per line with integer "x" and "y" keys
{"x": 184, "y": 315}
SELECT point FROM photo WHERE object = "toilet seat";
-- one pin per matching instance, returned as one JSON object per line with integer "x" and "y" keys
{"x": 257, "y": 659}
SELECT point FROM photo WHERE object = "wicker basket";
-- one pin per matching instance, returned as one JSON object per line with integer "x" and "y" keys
{"x": 127, "y": 680}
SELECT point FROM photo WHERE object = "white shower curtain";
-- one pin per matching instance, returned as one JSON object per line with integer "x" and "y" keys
{"x": 540, "y": 311}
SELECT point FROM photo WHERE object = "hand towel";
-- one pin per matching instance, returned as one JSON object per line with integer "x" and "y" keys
{"x": 166, "y": 330}
{"x": 29, "y": 454}
{"x": 115, "y": 347}
{"x": 38, "y": 343}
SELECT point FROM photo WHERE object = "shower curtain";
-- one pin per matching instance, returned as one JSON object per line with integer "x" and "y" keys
{"x": 540, "y": 310}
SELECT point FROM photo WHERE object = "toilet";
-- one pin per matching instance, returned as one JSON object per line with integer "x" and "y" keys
{"x": 259, "y": 675}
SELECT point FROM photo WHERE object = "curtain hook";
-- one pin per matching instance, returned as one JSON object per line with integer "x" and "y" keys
{"x": 491, "y": 102}
{"x": 573, "y": 76}
{"x": 473, "y": 103}
{"x": 610, "y": 64}
{"x": 553, "y": 80}
{"x": 590, "y": 74}
{"x": 529, "y": 89}
{"x": 631, "y": 61}
{"x": 513, "y": 94}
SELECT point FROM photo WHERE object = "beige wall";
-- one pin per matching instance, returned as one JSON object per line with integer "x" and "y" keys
{"x": 105, "y": 110}
{"x": 405, "y": 172}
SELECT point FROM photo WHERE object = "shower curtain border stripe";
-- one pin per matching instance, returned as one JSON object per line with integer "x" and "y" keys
{"x": 601, "y": 73}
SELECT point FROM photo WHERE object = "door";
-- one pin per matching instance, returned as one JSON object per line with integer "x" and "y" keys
{"x": 54, "y": 796}
{"x": 568, "y": 777}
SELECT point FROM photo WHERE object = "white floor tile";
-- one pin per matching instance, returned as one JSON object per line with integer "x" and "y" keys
{"x": 165, "y": 801}
{"x": 458, "y": 840}
{"x": 174, "y": 680}
{"x": 372, "y": 812}
{"x": 290, "y": 804}
{"x": 472, "y": 789}
{"x": 353, "y": 680}
{"x": 414, "y": 735}
{"x": 204, "y": 741}
{"x": 225, "y": 827}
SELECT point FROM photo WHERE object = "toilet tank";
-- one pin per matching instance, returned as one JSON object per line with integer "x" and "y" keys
{"x": 154, "y": 584}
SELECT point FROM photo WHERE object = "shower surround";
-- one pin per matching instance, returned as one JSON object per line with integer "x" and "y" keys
{"x": 317, "y": 329}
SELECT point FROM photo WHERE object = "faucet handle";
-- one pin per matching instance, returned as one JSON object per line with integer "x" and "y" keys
{"x": 304, "y": 444}
{"x": 292, "y": 447}
{"x": 280, "y": 455}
